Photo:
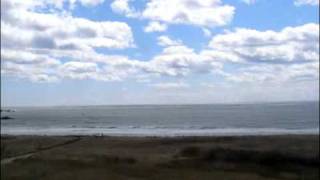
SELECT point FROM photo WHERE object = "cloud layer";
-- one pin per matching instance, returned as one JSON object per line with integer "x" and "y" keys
{"x": 50, "y": 46}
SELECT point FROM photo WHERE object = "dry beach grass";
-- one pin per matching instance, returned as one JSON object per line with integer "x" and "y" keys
{"x": 251, "y": 157}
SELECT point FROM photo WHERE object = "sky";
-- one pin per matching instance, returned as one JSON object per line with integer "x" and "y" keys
{"x": 100, "y": 52}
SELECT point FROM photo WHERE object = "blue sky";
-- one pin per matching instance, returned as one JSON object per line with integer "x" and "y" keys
{"x": 92, "y": 52}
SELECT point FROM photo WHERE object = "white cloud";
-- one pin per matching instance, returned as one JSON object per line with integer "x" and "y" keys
{"x": 33, "y": 41}
{"x": 197, "y": 12}
{"x": 175, "y": 60}
{"x": 306, "y": 2}
{"x": 44, "y": 78}
{"x": 170, "y": 86}
{"x": 292, "y": 44}
{"x": 122, "y": 7}
{"x": 181, "y": 61}
{"x": 78, "y": 70}
{"x": 71, "y": 3}
{"x": 79, "y": 67}
{"x": 249, "y": 1}
{"x": 166, "y": 41}
{"x": 24, "y": 57}
{"x": 54, "y": 4}
{"x": 296, "y": 2}
{"x": 206, "y": 32}
{"x": 289, "y": 55}
{"x": 276, "y": 73}
{"x": 24, "y": 64}
{"x": 210, "y": 13}
{"x": 23, "y": 27}
{"x": 90, "y": 2}
{"x": 31, "y": 71}
{"x": 155, "y": 26}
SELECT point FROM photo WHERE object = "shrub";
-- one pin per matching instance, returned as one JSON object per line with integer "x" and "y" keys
{"x": 191, "y": 151}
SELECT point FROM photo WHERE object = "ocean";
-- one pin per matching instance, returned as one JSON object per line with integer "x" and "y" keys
{"x": 165, "y": 120}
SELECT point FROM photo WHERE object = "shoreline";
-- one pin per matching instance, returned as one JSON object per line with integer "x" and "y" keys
{"x": 5, "y": 136}
{"x": 161, "y": 137}
{"x": 157, "y": 132}
{"x": 175, "y": 139}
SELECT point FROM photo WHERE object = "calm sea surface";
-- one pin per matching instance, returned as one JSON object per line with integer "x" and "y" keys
{"x": 165, "y": 120}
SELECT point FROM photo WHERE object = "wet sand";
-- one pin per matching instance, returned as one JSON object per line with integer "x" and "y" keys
{"x": 89, "y": 157}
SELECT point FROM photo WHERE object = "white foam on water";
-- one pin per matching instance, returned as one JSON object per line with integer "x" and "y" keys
{"x": 158, "y": 132}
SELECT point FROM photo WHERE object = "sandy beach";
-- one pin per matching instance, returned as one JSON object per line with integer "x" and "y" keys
{"x": 94, "y": 157}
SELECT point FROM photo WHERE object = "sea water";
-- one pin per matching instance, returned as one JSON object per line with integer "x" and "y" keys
{"x": 165, "y": 120}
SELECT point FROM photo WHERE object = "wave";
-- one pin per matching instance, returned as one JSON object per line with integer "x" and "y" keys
{"x": 153, "y": 131}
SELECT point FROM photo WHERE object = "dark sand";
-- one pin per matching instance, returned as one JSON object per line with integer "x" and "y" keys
{"x": 198, "y": 158}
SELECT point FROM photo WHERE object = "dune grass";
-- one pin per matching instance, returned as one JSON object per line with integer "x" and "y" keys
{"x": 116, "y": 158}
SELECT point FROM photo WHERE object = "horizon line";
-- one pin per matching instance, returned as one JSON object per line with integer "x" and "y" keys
{"x": 165, "y": 104}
